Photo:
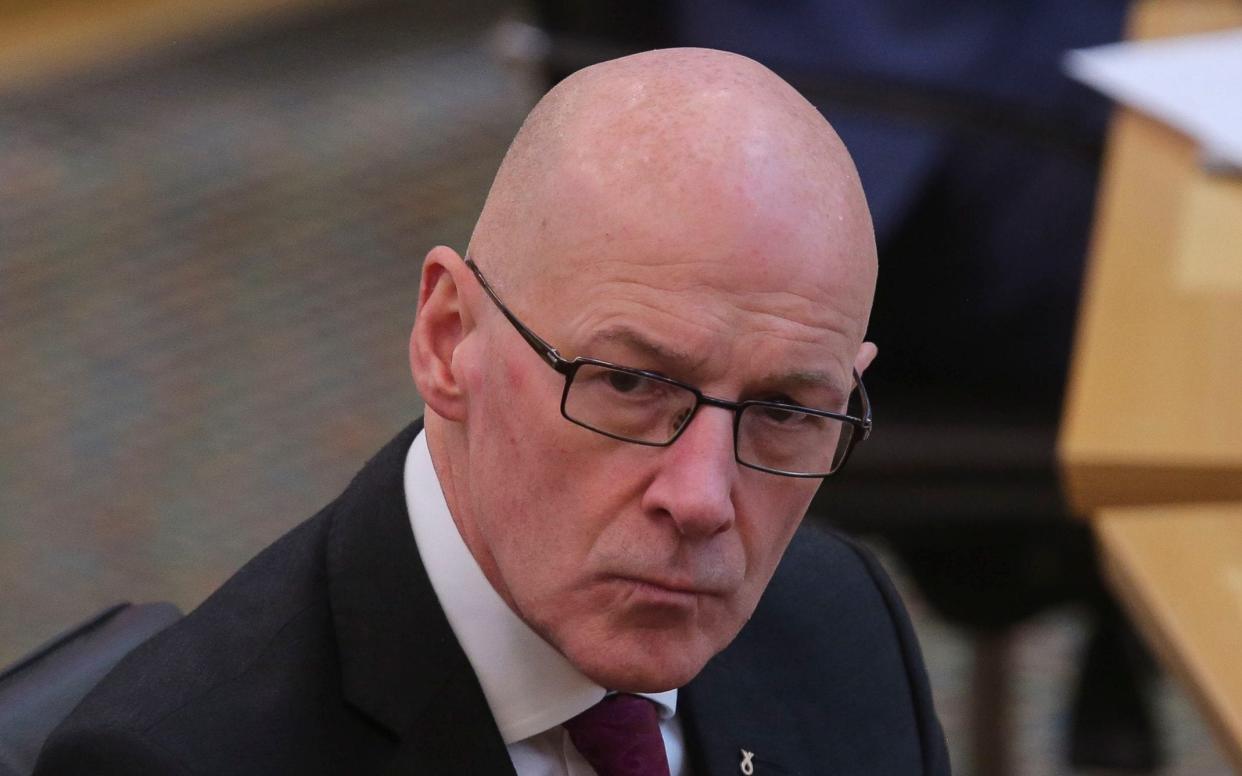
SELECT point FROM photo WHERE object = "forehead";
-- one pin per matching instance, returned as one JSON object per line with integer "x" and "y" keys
{"x": 747, "y": 238}
{"x": 726, "y": 325}
{"x": 718, "y": 254}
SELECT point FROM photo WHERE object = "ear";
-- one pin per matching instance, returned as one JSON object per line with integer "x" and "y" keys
{"x": 440, "y": 326}
{"x": 866, "y": 354}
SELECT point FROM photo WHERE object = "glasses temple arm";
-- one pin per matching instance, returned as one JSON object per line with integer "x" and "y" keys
{"x": 545, "y": 351}
{"x": 866, "y": 404}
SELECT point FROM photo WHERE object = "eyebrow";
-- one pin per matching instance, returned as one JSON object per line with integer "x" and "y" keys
{"x": 814, "y": 378}
{"x": 674, "y": 357}
{"x": 625, "y": 336}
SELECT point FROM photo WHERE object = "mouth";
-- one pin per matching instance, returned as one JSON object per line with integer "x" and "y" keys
{"x": 666, "y": 591}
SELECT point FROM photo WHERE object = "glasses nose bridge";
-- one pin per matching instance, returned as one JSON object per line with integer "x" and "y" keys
{"x": 701, "y": 399}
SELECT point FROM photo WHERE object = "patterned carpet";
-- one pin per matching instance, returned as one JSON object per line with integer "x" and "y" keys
{"x": 208, "y": 268}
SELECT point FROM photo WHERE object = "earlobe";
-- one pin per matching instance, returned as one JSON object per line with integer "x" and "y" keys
{"x": 439, "y": 327}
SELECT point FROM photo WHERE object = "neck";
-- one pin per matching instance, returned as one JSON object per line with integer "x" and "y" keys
{"x": 450, "y": 457}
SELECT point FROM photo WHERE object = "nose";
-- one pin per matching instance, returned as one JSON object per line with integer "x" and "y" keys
{"x": 696, "y": 476}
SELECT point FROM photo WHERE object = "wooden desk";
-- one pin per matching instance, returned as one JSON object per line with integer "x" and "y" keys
{"x": 1178, "y": 569}
{"x": 1154, "y": 403}
{"x": 41, "y": 40}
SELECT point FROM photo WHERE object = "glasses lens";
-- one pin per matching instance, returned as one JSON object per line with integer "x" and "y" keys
{"x": 771, "y": 436}
{"x": 626, "y": 404}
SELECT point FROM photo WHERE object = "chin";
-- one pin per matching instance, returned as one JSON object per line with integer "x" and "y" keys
{"x": 643, "y": 640}
{"x": 644, "y": 678}
{"x": 642, "y": 662}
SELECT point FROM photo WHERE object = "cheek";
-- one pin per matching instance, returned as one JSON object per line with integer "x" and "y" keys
{"x": 773, "y": 519}
{"x": 514, "y": 375}
{"x": 507, "y": 406}
{"x": 532, "y": 486}
{"x": 568, "y": 510}
{"x": 521, "y": 393}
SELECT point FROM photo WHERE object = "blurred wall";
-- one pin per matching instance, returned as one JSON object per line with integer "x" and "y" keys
{"x": 208, "y": 270}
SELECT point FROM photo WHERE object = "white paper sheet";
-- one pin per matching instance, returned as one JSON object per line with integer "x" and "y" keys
{"x": 1193, "y": 83}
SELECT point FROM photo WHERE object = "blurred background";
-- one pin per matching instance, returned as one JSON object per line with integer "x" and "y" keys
{"x": 212, "y": 218}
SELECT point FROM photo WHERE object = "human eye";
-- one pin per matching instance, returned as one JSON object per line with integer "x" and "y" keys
{"x": 779, "y": 406}
{"x": 625, "y": 382}
{"x": 624, "y": 386}
{"x": 778, "y": 415}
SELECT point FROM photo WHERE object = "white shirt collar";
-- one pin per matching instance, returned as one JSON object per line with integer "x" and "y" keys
{"x": 529, "y": 685}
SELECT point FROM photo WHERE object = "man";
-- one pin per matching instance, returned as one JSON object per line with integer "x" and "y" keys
{"x": 659, "y": 319}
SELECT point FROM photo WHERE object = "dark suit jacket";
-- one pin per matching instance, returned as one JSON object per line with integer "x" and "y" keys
{"x": 329, "y": 654}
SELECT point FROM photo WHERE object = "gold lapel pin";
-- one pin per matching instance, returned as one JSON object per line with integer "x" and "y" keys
{"x": 748, "y": 767}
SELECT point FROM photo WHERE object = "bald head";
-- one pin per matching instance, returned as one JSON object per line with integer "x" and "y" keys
{"x": 678, "y": 212}
{"x": 677, "y": 139}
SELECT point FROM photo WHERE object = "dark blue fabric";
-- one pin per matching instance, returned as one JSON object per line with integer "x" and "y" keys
{"x": 40, "y": 690}
{"x": 979, "y": 158}
{"x": 328, "y": 654}
{"x": 1003, "y": 51}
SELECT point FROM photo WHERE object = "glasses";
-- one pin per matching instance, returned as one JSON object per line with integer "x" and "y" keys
{"x": 647, "y": 408}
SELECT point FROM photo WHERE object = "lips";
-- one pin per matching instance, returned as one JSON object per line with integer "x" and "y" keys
{"x": 672, "y": 586}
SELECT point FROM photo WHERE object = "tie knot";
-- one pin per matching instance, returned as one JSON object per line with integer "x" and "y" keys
{"x": 620, "y": 736}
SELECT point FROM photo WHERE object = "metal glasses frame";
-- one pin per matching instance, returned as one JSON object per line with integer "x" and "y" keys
{"x": 569, "y": 368}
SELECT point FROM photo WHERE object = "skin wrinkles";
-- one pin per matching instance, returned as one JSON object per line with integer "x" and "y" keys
{"x": 652, "y": 352}
{"x": 781, "y": 309}
{"x": 765, "y": 292}
{"x": 759, "y": 331}
{"x": 659, "y": 553}
{"x": 713, "y": 213}
{"x": 616, "y": 341}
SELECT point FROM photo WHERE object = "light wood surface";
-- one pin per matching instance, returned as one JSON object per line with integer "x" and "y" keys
{"x": 1178, "y": 569}
{"x": 42, "y": 40}
{"x": 1209, "y": 243}
{"x": 1153, "y": 415}
{"x": 1154, "y": 405}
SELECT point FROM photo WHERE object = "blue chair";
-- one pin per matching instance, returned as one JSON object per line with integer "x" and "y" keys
{"x": 39, "y": 690}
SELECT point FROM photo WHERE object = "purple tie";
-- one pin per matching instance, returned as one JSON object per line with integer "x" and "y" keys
{"x": 620, "y": 736}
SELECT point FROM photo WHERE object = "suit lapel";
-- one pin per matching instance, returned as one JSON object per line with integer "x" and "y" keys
{"x": 401, "y": 666}
{"x": 730, "y": 717}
